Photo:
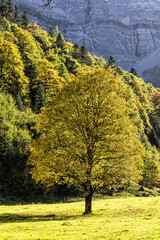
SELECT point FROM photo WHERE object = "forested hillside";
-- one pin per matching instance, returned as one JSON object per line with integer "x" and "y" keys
{"x": 44, "y": 80}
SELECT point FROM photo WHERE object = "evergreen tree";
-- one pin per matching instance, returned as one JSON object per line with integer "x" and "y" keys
{"x": 111, "y": 61}
{"x": 17, "y": 17}
{"x": 63, "y": 72}
{"x": 19, "y": 103}
{"x": 71, "y": 64}
{"x": 56, "y": 32}
{"x": 10, "y": 11}
{"x": 60, "y": 42}
{"x": 51, "y": 32}
{"x": 85, "y": 57}
{"x": 5, "y": 25}
{"x": 76, "y": 54}
{"x": 83, "y": 52}
{"x": 133, "y": 71}
{"x": 25, "y": 19}
{"x": 3, "y": 8}
{"x": 40, "y": 99}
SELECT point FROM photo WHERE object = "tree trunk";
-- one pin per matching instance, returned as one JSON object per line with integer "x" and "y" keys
{"x": 88, "y": 202}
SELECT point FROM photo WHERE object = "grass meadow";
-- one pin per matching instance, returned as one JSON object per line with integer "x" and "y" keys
{"x": 124, "y": 218}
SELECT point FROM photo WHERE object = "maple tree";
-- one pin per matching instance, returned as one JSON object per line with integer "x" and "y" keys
{"x": 88, "y": 139}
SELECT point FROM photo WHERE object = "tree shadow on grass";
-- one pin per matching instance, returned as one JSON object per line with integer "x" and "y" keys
{"x": 12, "y": 218}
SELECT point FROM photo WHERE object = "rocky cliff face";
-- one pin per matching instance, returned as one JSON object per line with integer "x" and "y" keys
{"x": 128, "y": 30}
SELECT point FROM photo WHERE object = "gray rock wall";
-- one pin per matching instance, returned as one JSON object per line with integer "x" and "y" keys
{"x": 128, "y": 30}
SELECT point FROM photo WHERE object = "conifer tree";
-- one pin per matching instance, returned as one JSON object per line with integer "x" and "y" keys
{"x": 17, "y": 17}
{"x": 56, "y": 32}
{"x": 5, "y": 25}
{"x": 40, "y": 99}
{"x": 83, "y": 52}
{"x": 25, "y": 19}
{"x": 63, "y": 72}
{"x": 85, "y": 57}
{"x": 51, "y": 32}
{"x": 3, "y": 8}
{"x": 60, "y": 42}
{"x": 133, "y": 71}
{"x": 19, "y": 103}
{"x": 10, "y": 11}
{"x": 76, "y": 54}
{"x": 111, "y": 61}
{"x": 71, "y": 64}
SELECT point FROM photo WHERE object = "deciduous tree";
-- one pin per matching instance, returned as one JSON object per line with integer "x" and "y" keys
{"x": 12, "y": 75}
{"x": 88, "y": 138}
{"x": 47, "y": 76}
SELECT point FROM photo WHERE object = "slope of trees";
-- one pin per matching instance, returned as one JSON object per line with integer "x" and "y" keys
{"x": 15, "y": 141}
{"x": 47, "y": 80}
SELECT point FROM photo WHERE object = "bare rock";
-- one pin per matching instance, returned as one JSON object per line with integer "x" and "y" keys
{"x": 127, "y": 30}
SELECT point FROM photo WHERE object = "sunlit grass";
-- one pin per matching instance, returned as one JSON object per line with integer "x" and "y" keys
{"x": 128, "y": 218}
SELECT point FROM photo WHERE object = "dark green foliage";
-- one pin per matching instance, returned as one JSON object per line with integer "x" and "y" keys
{"x": 41, "y": 39}
{"x": 63, "y": 72}
{"x": 56, "y": 32}
{"x": 60, "y": 42}
{"x": 83, "y": 52}
{"x": 11, "y": 11}
{"x": 155, "y": 121}
{"x": 25, "y": 19}
{"x": 76, "y": 54}
{"x": 119, "y": 70}
{"x": 51, "y": 32}
{"x": 81, "y": 55}
{"x": 3, "y": 8}
{"x": 133, "y": 71}
{"x": 15, "y": 140}
{"x": 111, "y": 61}
{"x": 40, "y": 99}
{"x": 4, "y": 24}
{"x": 84, "y": 56}
{"x": 17, "y": 17}
{"x": 19, "y": 103}
{"x": 71, "y": 64}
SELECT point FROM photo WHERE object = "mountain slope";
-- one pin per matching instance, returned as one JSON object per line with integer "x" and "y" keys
{"x": 149, "y": 68}
{"x": 125, "y": 29}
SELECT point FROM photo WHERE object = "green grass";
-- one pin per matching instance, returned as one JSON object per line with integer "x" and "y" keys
{"x": 128, "y": 218}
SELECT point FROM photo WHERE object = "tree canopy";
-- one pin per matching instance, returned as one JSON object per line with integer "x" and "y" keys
{"x": 88, "y": 139}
